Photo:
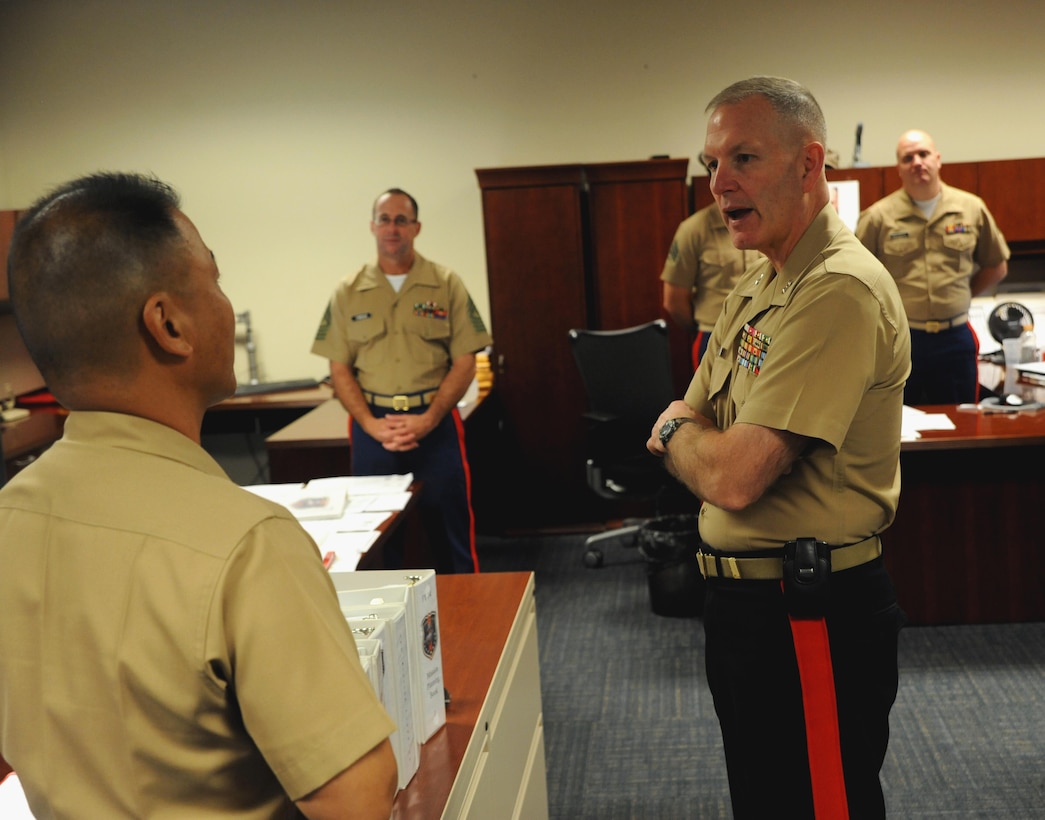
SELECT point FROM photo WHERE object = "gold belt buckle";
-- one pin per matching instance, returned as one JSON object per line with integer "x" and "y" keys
{"x": 400, "y": 403}
{"x": 933, "y": 326}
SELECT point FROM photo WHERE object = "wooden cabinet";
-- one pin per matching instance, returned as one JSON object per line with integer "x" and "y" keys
{"x": 7, "y": 226}
{"x": 567, "y": 246}
{"x": 1014, "y": 190}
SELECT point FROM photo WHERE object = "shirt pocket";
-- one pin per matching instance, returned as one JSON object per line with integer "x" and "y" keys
{"x": 428, "y": 339}
{"x": 361, "y": 331}
{"x": 900, "y": 247}
{"x": 960, "y": 243}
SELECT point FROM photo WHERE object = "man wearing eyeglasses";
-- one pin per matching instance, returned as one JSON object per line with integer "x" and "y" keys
{"x": 401, "y": 335}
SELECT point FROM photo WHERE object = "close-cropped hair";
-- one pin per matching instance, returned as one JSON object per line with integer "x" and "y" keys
{"x": 795, "y": 104}
{"x": 83, "y": 261}
{"x": 401, "y": 192}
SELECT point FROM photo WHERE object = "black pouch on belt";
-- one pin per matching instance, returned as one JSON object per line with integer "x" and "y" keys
{"x": 807, "y": 571}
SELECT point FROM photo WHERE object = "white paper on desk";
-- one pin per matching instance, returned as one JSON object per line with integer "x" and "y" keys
{"x": 378, "y": 484}
{"x": 363, "y": 484}
{"x": 348, "y": 548}
{"x": 304, "y": 502}
{"x": 363, "y": 521}
{"x": 383, "y": 502}
{"x": 320, "y": 529}
{"x": 311, "y": 504}
{"x": 280, "y": 493}
{"x": 914, "y": 420}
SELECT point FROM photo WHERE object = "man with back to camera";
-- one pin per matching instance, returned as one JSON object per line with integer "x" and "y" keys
{"x": 171, "y": 645}
{"x": 401, "y": 335}
{"x": 942, "y": 247}
{"x": 701, "y": 268}
{"x": 790, "y": 435}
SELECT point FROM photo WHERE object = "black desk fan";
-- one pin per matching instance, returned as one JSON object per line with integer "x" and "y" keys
{"x": 1007, "y": 321}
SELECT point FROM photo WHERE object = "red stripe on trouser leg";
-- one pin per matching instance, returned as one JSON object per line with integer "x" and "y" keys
{"x": 813, "y": 651}
{"x": 459, "y": 426}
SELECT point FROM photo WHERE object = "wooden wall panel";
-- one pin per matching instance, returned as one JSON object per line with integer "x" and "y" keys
{"x": 1014, "y": 190}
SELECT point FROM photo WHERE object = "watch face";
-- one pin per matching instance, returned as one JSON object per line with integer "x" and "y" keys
{"x": 668, "y": 430}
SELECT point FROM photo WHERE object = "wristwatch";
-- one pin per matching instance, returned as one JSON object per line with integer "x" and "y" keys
{"x": 669, "y": 427}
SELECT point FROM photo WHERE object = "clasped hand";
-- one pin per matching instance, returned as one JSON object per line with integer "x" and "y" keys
{"x": 399, "y": 432}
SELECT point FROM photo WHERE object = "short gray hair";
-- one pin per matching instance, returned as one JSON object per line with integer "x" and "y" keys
{"x": 791, "y": 100}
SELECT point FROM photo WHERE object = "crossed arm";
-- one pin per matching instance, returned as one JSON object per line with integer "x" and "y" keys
{"x": 730, "y": 469}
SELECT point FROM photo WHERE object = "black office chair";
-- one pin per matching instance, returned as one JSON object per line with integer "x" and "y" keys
{"x": 628, "y": 381}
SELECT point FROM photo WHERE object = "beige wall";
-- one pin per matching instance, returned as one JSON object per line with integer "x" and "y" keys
{"x": 280, "y": 121}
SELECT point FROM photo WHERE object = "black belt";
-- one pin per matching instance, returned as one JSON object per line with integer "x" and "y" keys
{"x": 400, "y": 401}
{"x": 771, "y": 567}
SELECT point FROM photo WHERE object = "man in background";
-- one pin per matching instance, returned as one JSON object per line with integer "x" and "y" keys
{"x": 401, "y": 335}
{"x": 942, "y": 247}
{"x": 701, "y": 269}
{"x": 170, "y": 645}
{"x": 790, "y": 436}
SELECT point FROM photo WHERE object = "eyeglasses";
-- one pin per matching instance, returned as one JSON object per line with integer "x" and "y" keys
{"x": 400, "y": 221}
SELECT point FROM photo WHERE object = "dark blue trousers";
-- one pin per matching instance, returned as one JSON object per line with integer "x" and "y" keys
{"x": 444, "y": 503}
{"x": 943, "y": 367}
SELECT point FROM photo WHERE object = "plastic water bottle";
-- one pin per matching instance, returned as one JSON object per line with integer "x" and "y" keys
{"x": 1029, "y": 346}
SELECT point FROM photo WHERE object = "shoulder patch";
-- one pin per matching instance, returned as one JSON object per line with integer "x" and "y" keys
{"x": 324, "y": 325}
{"x": 473, "y": 315}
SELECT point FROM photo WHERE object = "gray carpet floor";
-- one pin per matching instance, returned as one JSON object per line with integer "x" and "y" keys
{"x": 630, "y": 728}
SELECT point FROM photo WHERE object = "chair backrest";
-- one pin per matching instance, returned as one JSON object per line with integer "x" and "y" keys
{"x": 627, "y": 372}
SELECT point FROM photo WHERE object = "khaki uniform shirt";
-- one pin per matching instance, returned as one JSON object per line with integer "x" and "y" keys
{"x": 822, "y": 349}
{"x": 703, "y": 258}
{"x": 170, "y": 644}
{"x": 932, "y": 260}
{"x": 401, "y": 342}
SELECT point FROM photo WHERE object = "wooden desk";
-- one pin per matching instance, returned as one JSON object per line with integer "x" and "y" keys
{"x": 24, "y": 440}
{"x": 263, "y": 412}
{"x": 313, "y": 446}
{"x": 316, "y": 444}
{"x": 966, "y": 545}
{"x": 488, "y": 761}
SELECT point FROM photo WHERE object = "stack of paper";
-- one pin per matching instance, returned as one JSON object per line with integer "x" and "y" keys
{"x": 305, "y": 502}
{"x": 343, "y": 514}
